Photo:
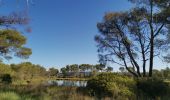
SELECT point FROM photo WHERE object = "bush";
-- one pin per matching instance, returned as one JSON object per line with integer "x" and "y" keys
{"x": 152, "y": 87}
{"x": 111, "y": 85}
{"x": 7, "y": 79}
{"x": 9, "y": 96}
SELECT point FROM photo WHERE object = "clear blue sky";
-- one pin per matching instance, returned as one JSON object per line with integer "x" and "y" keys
{"x": 63, "y": 30}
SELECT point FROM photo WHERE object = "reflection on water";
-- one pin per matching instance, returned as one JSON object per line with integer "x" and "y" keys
{"x": 68, "y": 83}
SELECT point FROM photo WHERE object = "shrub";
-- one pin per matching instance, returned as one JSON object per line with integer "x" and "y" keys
{"x": 152, "y": 87}
{"x": 9, "y": 96}
{"x": 111, "y": 85}
{"x": 7, "y": 79}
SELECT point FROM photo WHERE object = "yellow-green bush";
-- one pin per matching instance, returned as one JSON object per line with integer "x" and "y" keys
{"x": 9, "y": 96}
{"x": 111, "y": 85}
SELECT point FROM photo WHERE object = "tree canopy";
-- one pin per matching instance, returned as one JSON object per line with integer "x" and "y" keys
{"x": 12, "y": 41}
{"x": 135, "y": 37}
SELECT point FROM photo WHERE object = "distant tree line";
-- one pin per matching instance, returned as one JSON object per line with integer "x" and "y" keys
{"x": 24, "y": 71}
{"x": 161, "y": 74}
{"x": 28, "y": 72}
{"x": 83, "y": 70}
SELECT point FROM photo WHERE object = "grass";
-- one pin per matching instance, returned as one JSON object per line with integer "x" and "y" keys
{"x": 40, "y": 92}
{"x": 9, "y": 96}
{"x": 34, "y": 81}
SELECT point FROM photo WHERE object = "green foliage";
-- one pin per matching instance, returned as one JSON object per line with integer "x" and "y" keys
{"x": 6, "y": 69}
{"x": 162, "y": 74}
{"x": 123, "y": 34}
{"x": 24, "y": 52}
{"x": 99, "y": 67}
{"x": 122, "y": 69}
{"x": 9, "y": 96}
{"x": 53, "y": 72}
{"x": 83, "y": 70}
{"x": 28, "y": 70}
{"x": 109, "y": 69}
{"x": 166, "y": 73}
{"x": 112, "y": 85}
{"x": 12, "y": 42}
{"x": 63, "y": 71}
{"x": 40, "y": 92}
{"x": 152, "y": 87}
{"x": 6, "y": 79}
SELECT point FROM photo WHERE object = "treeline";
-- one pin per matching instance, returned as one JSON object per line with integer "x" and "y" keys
{"x": 23, "y": 73}
{"x": 27, "y": 72}
{"x": 83, "y": 70}
{"x": 162, "y": 74}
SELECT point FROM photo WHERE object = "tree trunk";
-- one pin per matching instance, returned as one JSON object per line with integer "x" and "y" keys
{"x": 151, "y": 57}
{"x": 151, "y": 41}
{"x": 133, "y": 60}
{"x": 144, "y": 64}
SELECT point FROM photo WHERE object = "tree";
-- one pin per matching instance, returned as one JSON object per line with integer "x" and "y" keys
{"x": 11, "y": 40}
{"x": 166, "y": 73}
{"x": 53, "y": 72}
{"x": 99, "y": 67}
{"x": 157, "y": 73}
{"x": 84, "y": 67}
{"x": 136, "y": 36}
{"x": 74, "y": 68}
{"x": 64, "y": 71}
{"x": 122, "y": 69}
{"x": 68, "y": 68}
{"x": 109, "y": 69}
{"x": 28, "y": 71}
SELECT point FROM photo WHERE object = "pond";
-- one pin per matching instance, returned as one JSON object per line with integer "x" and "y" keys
{"x": 67, "y": 83}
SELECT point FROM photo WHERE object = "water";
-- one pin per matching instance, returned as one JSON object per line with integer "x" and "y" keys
{"x": 68, "y": 83}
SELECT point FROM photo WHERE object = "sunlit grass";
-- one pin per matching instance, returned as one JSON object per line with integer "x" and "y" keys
{"x": 40, "y": 92}
{"x": 9, "y": 96}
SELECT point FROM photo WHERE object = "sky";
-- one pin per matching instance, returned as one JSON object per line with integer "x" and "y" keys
{"x": 63, "y": 30}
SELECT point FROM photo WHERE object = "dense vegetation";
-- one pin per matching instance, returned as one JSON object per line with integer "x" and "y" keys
{"x": 27, "y": 80}
{"x": 106, "y": 86}
{"x": 28, "y": 73}
{"x": 122, "y": 87}
{"x": 112, "y": 85}
{"x": 41, "y": 92}
{"x": 132, "y": 38}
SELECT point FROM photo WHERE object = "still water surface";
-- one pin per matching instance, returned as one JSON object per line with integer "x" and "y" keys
{"x": 68, "y": 83}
